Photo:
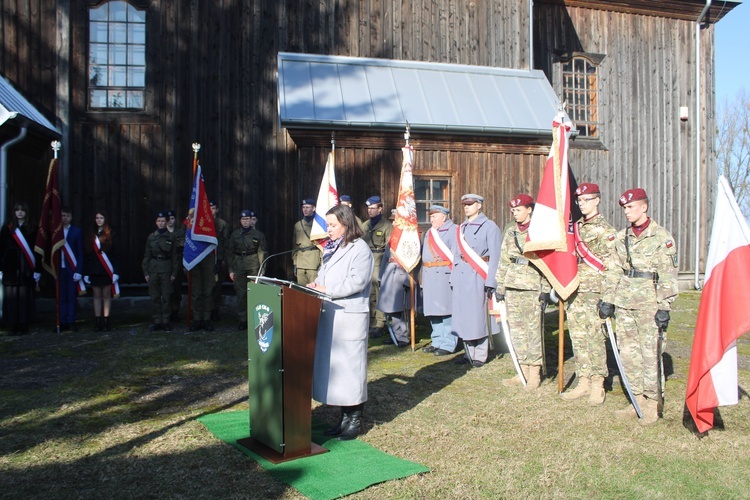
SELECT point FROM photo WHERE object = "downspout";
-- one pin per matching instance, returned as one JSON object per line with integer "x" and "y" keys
{"x": 531, "y": 34}
{"x": 698, "y": 141}
{"x": 4, "y": 169}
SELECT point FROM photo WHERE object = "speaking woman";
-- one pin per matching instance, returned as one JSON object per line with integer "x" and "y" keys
{"x": 340, "y": 369}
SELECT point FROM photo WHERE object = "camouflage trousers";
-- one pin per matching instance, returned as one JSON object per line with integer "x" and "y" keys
{"x": 587, "y": 335}
{"x": 524, "y": 320}
{"x": 160, "y": 290}
{"x": 637, "y": 336}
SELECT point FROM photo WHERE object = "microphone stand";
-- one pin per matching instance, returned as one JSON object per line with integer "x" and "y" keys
{"x": 263, "y": 264}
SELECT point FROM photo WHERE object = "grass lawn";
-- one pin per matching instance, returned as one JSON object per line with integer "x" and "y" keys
{"x": 99, "y": 415}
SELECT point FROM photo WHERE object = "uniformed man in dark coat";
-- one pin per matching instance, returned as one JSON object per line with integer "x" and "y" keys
{"x": 345, "y": 199}
{"x": 377, "y": 231}
{"x": 245, "y": 253}
{"x": 222, "y": 233}
{"x": 160, "y": 266}
{"x": 306, "y": 256}
{"x": 178, "y": 230}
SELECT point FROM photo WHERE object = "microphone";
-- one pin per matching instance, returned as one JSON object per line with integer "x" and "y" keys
{"x": 263, "y": 264}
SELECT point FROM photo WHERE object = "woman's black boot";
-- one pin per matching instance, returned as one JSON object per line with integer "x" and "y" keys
{"x": 342, "y": 424}
{"x": 354, "y": 427}
{"x": 98, "y": 324}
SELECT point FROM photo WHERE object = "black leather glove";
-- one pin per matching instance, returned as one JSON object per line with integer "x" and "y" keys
{"x": 489, "y": 291}
{"x": 606, "y": 310}
{"x": 545, "y": 298}
{"x": 499, "y": 296}
{"x": 662, "y": 319}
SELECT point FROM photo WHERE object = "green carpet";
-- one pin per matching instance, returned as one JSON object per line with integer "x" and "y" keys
{"x": 348, "y": 467}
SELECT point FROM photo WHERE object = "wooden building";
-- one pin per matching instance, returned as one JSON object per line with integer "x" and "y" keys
{"x": 131, "y": 85}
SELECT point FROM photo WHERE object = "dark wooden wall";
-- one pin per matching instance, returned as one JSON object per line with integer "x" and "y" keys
{"x": 212, "y": 79}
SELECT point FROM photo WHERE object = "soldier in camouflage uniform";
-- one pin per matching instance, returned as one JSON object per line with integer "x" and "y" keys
{"x": 245, "y": 251}
{"x": 643, "y": 294}
{"x": 595, "y": 248}
{"x": 222, "y": 233}
{"x": 306, "y": 256}
{"x": 160, "y": 266}
{"x": 178, "y": 231}
{"x": 377, "y": 235}
{"x": 524, "y": 289}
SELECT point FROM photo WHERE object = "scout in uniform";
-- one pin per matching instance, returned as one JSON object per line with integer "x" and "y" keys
{"x": 475, "y": 259}
{"x": 524, "y": 289}
{"x": 595, "y": 248}
{"x": 71, "y": 265}
{"x": 643, "y": 294}
{"x": 160, "y": 266}
{"x": 437, "y": 263}
{"x": 222, "y": 233}
{"x": 306, "y": 256}
{"x": 245, "y": 251}
{"x": 377, "y": 235}
{"x": 179, "y": 232}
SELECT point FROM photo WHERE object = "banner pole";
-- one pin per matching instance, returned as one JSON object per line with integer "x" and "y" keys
{"x": 56, "y": 149}
{"x": 561, "y": 347}
{"x": 196, "y": 148}
{"x": 412, "y": 304}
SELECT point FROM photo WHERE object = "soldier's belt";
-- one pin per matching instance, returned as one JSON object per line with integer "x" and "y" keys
{"x": 161, "y": 257}
{"x": 439, "y": 263}
{"x": 634, "y": 273}
{"x": 520, "y": 260}
{"x": 245, "y": 254}
{"x": 375, "y": 250}
{"x": 486, "y": 258}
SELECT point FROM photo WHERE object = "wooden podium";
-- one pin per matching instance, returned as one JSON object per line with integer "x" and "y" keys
{"x": 281, "y": 330}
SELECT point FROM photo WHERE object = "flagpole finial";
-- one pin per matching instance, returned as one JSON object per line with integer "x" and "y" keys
{"x": 333, "y": 140}
{"x": 55, "y": 145}
{"x": 196, "y": 147}
{"x": 407, "y": 134}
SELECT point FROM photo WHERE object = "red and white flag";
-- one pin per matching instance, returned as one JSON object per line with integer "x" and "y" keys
{"x": 550, "y": 243}
{"x": 328, "y": 197}
{"x": 723, "y": 314}
{"x": 50, "y": 237}
{"x": 404, "y": 243}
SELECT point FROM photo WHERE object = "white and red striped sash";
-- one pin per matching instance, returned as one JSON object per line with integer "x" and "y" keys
{"x": 24, "y": 246}
{"x": 104, "y": 259}
{"x": 585, "y": 254}
{"x": 470, "y": 256}
{"x": 70, "y": 258}
{"x": 438, "y": 246}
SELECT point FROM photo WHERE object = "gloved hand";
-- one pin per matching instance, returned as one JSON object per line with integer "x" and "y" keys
{"x": 37, "y": 276}
{"x": 606, "y": 310}
{"x": 489, "y": 291}
{"x": 545, "y": 298}
{"x": 115, "y": 278}
{"x": 87, "y": 280}
{"x": 500, "y": 297}
{"x": 76, "y": 277}
{"x": 662, "y": 319}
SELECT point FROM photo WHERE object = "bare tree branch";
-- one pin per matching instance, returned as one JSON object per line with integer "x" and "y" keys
{"x": 733, "y": 147}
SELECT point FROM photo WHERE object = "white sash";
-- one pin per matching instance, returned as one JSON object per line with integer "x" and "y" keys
{"x": 471, "y": 257}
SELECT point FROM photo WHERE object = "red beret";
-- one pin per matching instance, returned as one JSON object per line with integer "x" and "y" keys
{"x": 634, "y": 194}
{"x": 520, "y": 200}
{"x": 587, "y": 188}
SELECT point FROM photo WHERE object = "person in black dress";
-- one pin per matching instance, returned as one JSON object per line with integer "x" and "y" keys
{"x": 20, "y": 269}
{"x": 101, "y": 266}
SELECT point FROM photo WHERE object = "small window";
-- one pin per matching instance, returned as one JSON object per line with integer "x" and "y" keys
{"x": 117, "y": 57}
{"x": 430, "y": 191}
{"x": 580, "y": 90}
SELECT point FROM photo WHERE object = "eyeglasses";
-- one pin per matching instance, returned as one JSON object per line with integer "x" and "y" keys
{"x": 583, "y": 201}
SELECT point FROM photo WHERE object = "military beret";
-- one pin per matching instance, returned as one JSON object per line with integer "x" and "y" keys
{"x": 161, "y": 214}
{"x": 521, "y": 200}
{"x": 439, "y": 209}
{"x": 373, "y": 200}
{"x": 470, "y": 199}
{"x": 587, "y": 188}
{"x": 634, "y": 194}
{"x": 345, "y": 197}
{"x": 308, "y": 201}
{"x": 171, "y": 213}
{"x": 247, "y": 213}
{"x": 211, "y": 203}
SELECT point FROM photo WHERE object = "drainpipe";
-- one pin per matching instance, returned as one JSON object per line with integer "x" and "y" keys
{"x": 4, "y": 169}
{"x": 698, "y": 141}
{"x": 531, "y": 34}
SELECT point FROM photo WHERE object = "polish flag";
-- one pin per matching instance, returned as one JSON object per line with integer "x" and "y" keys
{"x": 404, "y": 243}
{"x": 328, "y": 197}
{"x": 723, "y": 314}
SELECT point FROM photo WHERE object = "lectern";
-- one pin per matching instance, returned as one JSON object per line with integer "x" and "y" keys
{"x": 282, "y": 323}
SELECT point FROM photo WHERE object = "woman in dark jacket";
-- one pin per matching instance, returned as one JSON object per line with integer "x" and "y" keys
{"x": 101, "y": 268}
{"x": 18, "y": 264}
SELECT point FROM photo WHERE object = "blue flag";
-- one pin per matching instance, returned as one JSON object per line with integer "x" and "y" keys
{"x": 200, "y": 237}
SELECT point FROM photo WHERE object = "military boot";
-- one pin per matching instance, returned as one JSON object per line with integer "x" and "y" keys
{"x": 597, "y": 391}
{"x": 534, "y": 380}
{"x": 582, "y": 390}
{"x": 629, "y": 411}
{"x": 516, "y": 380}
{"x": 649, "y": 411}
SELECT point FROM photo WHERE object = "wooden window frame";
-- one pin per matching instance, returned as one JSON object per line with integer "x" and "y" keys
{"x": 583, "y": 96}
{"x": 432, "y": 176}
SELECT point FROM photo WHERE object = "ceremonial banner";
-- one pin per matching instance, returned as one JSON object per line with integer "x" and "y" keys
{"x": 200, "y": 237}
{"x": 328, "y": 197}
{"x": 50, "y": 237}
{"x": 404, "y": 243}
{"x": 549, "y": 243}
{"x": 723, "y": 314}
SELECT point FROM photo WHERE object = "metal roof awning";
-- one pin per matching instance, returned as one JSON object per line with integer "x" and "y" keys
{"x": 14, "y": 106}
{"x": 337, "y": 92}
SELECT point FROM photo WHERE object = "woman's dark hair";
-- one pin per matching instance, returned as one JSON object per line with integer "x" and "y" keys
{"x": 105, "y": 237}
{"x": 13, "y": 222}
{"x": 345, "y": 216}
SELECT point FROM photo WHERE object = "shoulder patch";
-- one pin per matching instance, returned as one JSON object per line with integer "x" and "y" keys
{"x": 669, "y": 244}
{"x": 611, "y": 237}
